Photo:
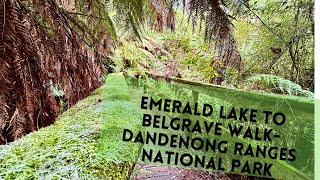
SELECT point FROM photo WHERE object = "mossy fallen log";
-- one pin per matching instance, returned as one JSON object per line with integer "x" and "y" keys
{"x": 82, "y": 144}
{"x": 68, "y": 149}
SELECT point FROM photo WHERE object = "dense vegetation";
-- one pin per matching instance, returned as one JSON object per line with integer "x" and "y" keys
{"x": 85, "y": 143}
{"x": 51, "y": 46}
{"x": 70, "y": 148}
{"x": 55, "y": 53}
{"x": 274, "y": 40}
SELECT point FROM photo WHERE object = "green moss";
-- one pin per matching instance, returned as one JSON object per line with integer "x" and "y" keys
{"x": 68, "y": 149}
{"x": 119, "y": 112}
{"x": 85, "y": 142}
{"x": 116, "y": 88}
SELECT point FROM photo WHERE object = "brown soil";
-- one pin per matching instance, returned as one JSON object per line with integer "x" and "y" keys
{"x": 157, "y": 172}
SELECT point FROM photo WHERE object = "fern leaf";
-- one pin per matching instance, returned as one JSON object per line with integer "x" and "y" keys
{"x": 282, "y": 84}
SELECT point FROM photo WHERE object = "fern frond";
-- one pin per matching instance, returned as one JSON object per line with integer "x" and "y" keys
{"x": 282, "y": 84}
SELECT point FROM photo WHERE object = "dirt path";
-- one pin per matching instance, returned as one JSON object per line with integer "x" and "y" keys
{"x": 155, "y": 172}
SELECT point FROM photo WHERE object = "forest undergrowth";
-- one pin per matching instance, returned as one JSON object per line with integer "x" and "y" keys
{"x": 69, "y": 149}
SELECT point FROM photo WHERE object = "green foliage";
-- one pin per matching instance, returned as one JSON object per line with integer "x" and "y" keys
{"x": 130, "y": 55}
{"x": 130, "y": 15}
{"x": 187, "y": 47}
{"x": 136, "y": 57}
{"x": 272, "y": 36}
{"x": 281, "y": 84}
{"x": 98, "y": 18}
{"x": 278, "y": 39}
{"x": 116, "y": 90}
{"x": 118, "y": 112}
{"x": 56, "y": 89}
{"x": 298, "y": 109}
{"x": 67, "y": 149}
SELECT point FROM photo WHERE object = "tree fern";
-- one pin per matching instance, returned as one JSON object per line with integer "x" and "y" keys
{"x": 284, "y": 85}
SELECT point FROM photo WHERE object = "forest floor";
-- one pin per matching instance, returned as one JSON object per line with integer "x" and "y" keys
{"x": 156, "y": 172}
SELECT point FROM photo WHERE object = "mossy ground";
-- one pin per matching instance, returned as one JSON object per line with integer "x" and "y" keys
{"x": 69, "y": 149}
